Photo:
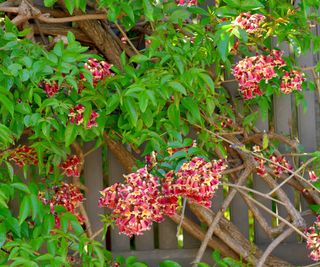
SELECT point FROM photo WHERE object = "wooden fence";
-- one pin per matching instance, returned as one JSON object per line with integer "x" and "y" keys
{"x": 161, "y": 243}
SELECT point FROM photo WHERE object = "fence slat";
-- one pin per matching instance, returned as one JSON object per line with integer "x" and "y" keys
{"x": 260, "y": 236}
{"x": 188, "y": 240}
{"x": 93, "y": 180}
{"x": 283, "y": 122}
{"x": 145, "y": 241}
{"x": 116, "y": 171}
{"x": 167, "y": 235}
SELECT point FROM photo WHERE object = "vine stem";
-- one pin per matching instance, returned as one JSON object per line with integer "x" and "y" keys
{"x": 273, "y": 245}
{"x": 218, "y": 216}
{"x": 182, "y": 216}
{"x": 274, "y": 214}
{"x": 255, "y": 192}
{"x": 127, "y": 38}
{"x": 292, "y": 175}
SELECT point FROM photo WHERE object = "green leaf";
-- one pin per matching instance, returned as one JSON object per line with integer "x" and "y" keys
{"x": 168, "y": 263}
{"x": 174, "y": 115}
{"x": 131, "y": 110}
{"x": 131, "y": 260}
{"x": 10, "y": 170}
{"x": 9, "y": 105}
{"x": 24, "y": 210}
{"x": 148, "y": 9}
{"x": 179, "y": 63}
{"x": 70, "y": 134}
{"x": 20, "y": 186}
{"x": 13, "y": 224}
{"x": 3, "y": 234}
{"x": 49, "y": 3}
{"x": 265, "y": 141}
{"x": 226, "y": 11}
{"x": 192, "y": 107}
{"x": 233, "y": 3}
{"x": 69, "y": 5}
{"x": 139, "y": 264}
{"x": 207, "y": 79}
{"x": 251, "y": 4}
{"x": 223, "y": 45}
{"x": 143, "y": 101}
{"x": 112, "y": 103}
{"x": 178, "y": 87}
{"x": 202, "y": 264}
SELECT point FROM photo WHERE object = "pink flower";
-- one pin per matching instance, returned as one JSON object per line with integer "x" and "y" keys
{"x": 261, "y": 169}
{"x": 187, "y": 2}
{"x": 71, "y": 166}
{"x": 250, "y": 23}
{"x": 50, "y": 88}
{"x": 98, "y": 69}
{"x": 291, "y": 81}
{"x": 313, "y": 240}
{"x": 66, "y": 195}
{"x": 250, "y": 71}
{"x": 135, "y": 204}
{"x": 76, "y": 116}
{"x": 24, "y": 155}
{"x": 312, "y": 176}
{"x": 197, "y": 180}
{"x": 281, "y": 163}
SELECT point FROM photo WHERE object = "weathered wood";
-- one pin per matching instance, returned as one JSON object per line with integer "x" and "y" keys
{"x": 283, "y": 124}
{"x": 145, "y": 241}
{"x": 260, "y": 235}
{"x": 93, "y": 180}
{"x": 116, "y": 171}
{"x": 167, "y": 235}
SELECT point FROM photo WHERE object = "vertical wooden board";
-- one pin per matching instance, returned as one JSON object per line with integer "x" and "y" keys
{"x": 260, "y": 236}
{"x": 217, "y": 199}
{"x": 93, "y": 179}
{"x": 239, "y": 214}
{"x": 188, "y": 240}
{"x": 145, "y": 241}
{"x": 116, "y": 171}
{"x": 167, "y": 235}
{"x": 283, "y": 122}
{"x": 307, "y": 136}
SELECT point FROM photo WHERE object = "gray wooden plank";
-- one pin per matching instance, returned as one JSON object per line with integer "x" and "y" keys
{"x": 239, "y": 214}
{"x": 167, "y": 235}
{"x": 188, "y": 240}
{"x": 258, "y": 184}
{"x": 145, "y": 241}
{"x": 283, "y": 123}
{"x": 119, "y": 242}
{"x": 93, "y": 180}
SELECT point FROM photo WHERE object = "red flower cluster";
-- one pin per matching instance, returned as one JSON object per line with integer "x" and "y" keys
{"x": 312, "y": 176}
{"x": 24, "y": 155}
{"x": 144, "y": 200}
{"x": 250, "y": 23}
{"x": 71, "y": 166}
{"x": 251, "y": 70}
{"x": 291, "y": 81}
{"x": 134, "y": 204}
{"x": 280, "y": 161}
{"x": 279, "y": 165}
{"x": 98, "y": 69}
{"x": 313, "y": 240}
{"x": 187, "y": 2}
{"x": 197, "y": 180}
{"x": 76, "y": 116}
{"x": 50, "y": 89}
{"x": 66, "y": 195}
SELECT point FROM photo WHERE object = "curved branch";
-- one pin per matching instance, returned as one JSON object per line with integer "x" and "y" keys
{"x": 273, "y": 245}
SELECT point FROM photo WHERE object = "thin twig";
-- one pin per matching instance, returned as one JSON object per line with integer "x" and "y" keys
{"x": 292, "y": 175}
{"x": 127, "y": 38}
{"x": 276, "y": 215}
{"x": 273, "y": 245}
{"x": 255, "y": 192}
{"x": 182, "y": 216}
